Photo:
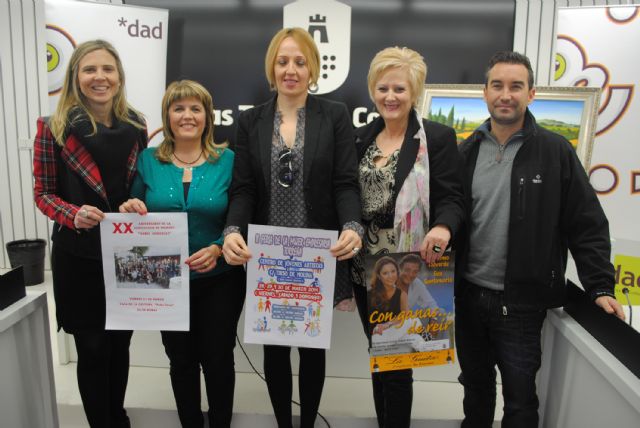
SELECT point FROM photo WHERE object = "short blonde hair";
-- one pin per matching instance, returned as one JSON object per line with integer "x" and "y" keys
{"x": 404, "y": 58}
{"x": 179, "y": 90}
{"x": 307, "y": 46}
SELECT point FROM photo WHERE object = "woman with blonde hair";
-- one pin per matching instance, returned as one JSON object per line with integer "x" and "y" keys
{"x": 190, "y": 173}
{"x": 411, "y": 193}
{"x": 295, "y": 167}
{"x": 84, "y": 162}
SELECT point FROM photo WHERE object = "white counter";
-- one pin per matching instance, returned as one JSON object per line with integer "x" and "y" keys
{"x": 581, "y": 384}
{"x": 27, "y": 392}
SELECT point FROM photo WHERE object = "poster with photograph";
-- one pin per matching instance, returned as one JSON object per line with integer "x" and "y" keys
{"x": 145, "y": 277}
{"x": 290, "y": 281}
{"x": 410, "y": 309}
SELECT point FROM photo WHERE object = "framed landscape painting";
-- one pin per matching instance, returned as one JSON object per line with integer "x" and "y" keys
{"x": 569, "y": 111}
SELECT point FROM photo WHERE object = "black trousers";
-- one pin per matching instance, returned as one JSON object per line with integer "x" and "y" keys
{"x": 103, "y": 356}
{"x": 392, "y": 390}
{"x": 216, "y": 303}
{"x": 487, "y": 336}
{"x": 103, "y": 372}
{"x": 277, "y": 371}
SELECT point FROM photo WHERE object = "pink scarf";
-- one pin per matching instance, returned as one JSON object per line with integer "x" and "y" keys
{"x": 411, "y": 219}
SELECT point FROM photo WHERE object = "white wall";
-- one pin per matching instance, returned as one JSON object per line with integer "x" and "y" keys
{"x": 535, "y": 24}
{"x": 23, "y": 92}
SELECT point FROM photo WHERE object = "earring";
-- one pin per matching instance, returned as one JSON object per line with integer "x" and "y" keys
{"x": 313, "y": 87}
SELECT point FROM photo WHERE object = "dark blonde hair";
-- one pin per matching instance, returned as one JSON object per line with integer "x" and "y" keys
{"x": 404, "y": 58}
{"x": 177, "y": 91}
{"x": 72, "y": 97}
{"x": 377, "y": 288}
{"x": 307, "y": 46}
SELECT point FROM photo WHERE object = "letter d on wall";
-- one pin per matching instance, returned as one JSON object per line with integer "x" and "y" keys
{"x": 329, "y": 23}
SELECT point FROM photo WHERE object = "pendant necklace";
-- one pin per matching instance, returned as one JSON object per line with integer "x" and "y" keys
{"x": 190, "y": 168}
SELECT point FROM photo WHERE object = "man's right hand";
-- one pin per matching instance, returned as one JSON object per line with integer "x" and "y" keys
{"x": 611, "y": 306}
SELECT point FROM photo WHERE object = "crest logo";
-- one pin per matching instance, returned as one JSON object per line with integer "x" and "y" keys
{"x": 329, "y": 23}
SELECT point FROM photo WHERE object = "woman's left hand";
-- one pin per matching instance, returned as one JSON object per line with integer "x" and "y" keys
{"x": 348, "y": 245}
{"x": 434, "y": 244}
{"x": 204, "y": 259}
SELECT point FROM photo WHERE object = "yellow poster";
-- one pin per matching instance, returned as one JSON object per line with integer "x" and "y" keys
{"x": 410, "y": 310}
{"x": 627, "y": 270}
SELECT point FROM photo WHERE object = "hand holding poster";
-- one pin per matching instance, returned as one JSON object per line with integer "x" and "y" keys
{"x": 410, "y": 308}
{"x": 145, "y": 277}
{"x": 290, "y": 280}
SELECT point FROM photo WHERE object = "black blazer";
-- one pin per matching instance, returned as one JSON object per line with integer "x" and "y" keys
{"x": 445, "y": 166}
{"x": 330, "y": 188}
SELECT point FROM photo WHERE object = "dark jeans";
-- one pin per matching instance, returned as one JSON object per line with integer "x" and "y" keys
{"x": 277, "y": 371}
{"x": 486, "y": 336}
{"x": 103, "y": 372}
{"x": 216, "y": 303}
{"x": 392, "y": 390}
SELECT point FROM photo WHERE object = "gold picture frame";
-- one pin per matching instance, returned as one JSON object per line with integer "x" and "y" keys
{"x": 569, "y": 111}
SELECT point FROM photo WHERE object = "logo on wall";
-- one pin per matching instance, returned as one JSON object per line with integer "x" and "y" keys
{"x": 60, "y": 46}
{"x": 329, "y": 23}
{"x": 573, "y": 68}
{"x": 135, "y": 28}
{"x": 622, "y": 15}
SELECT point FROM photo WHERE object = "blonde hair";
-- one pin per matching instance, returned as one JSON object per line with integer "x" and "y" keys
{"x": 177, "y": 91}
{"x": 403, "y": 58}
{"x": 307, "y": 46}
{"x": 72, "y": 97}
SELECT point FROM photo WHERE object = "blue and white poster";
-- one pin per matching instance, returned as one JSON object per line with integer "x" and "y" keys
{"x": 290, "y": 284}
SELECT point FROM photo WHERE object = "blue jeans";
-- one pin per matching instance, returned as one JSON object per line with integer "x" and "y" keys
{"x": 490, "y": 333}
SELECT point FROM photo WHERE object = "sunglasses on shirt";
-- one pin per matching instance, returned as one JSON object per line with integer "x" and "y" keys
{"x": 286, "y": 173}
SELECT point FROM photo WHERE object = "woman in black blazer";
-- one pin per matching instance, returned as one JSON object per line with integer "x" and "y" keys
{"x": 295, "y": 166}
{"x": 409, "y": 173}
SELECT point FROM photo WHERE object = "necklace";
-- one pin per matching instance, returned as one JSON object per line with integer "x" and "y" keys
{"x": 188, "y": 163}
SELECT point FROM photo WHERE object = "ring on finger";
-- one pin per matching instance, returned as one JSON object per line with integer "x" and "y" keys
{"x": 84, "y": 213}
{"x": 355, "y": 250}
{"x": 436, "y": 248}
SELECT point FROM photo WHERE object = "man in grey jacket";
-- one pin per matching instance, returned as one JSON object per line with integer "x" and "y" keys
{"x": 528, "y": 202}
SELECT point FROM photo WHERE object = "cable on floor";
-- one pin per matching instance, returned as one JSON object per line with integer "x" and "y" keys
{"x": 264, "y": 380}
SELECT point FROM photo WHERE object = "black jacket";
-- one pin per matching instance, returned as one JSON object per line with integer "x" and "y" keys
{"x": 553, "y": 208}
{"x": 331, "y": 190}
{"x": 446, "y": 203}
